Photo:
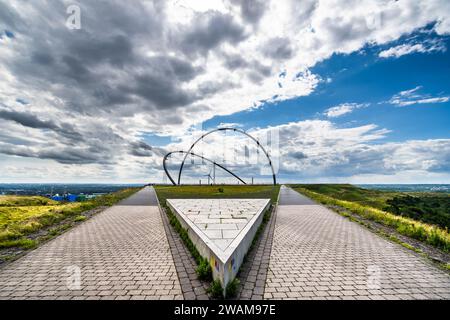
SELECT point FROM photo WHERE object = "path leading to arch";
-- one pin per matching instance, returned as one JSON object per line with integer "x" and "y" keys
{"x": 317, "y": 253}
{"x": 121, "y": 253}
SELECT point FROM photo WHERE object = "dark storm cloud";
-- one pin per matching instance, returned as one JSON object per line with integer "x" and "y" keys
{"x": 159, "y": 90}
{"x": 125, "y": 62}
{"x": 32, "y": 121}
{"x": 103, "y": 146}
{"x": 278, "y": 48}
{"x": 42, "y": 58}
{"x": 27, "y": 120}
{"x": 65, "y": 155}
{"x": 116, "y": 50}
{"x": 234, "y": 61}
{"x": 140, "y": 149}
{"x": 110, "y": 96}
{"x": 139, "y": 19}
{"x": 73, "y": 156}
{"x": 298, "y": 155}
{"x": 212, "y": 87}
{"x": 174, "y": 67}
{"x": 256, "y": 71}
{"x": 83, "y": 64}
{"x": 183, "y": 69}
{"x": 14, "y": 139}
{"x": 104, "y": 68}
{"x": 77, "y": 70}
{"x": 251, "y": 10}
{"x": 13, "y": 150}
{"x": 345, "y": 31}
{"x": 8, "y": 17}
{"x": 210, "y": 30}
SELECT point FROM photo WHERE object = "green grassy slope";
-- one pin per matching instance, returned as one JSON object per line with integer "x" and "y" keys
{"x": 348, "y": 192}
{"x": 21, "y": 216}
{"x": 428, "y": 207}
{"x": 366, "y": 204}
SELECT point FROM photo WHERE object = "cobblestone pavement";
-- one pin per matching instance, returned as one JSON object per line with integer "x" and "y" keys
{"x": 317, "y": 254}
{"x": 121, "y": 253}
{"x": 253, "y": 272}
{"x": 289, "y": 196}
{"x": 191, "y": 286}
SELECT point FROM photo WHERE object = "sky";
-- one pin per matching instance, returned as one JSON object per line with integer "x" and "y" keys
{"x": 336, "y": 91}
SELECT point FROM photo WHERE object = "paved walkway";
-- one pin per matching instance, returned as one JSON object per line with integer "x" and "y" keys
{"x": 319, "y": 254}
{"x": 290, "y": 197}
{"x": 121, "y": 253}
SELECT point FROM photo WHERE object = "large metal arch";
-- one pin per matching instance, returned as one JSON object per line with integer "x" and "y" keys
{"x": 196, "y": 155}
{"x": 228, "y": 129}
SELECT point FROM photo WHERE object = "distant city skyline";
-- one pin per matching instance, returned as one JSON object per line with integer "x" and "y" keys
{"x": 354, "y": 91}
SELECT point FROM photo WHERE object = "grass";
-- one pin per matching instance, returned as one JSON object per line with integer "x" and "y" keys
{"x": 79, "y": 218}
{"x": 20, "y": 201}
{"x": 429, "y": 207}
{"x": 232, "y": 288}
{"x": 21, "y": 243}
{"x": 216, "y": 289}
{"x": 222, "y": 191}
{"x": 204, "y": 270}
{"x": 433, "y": 235}
{"x": 433, "y": 209}
{"x": 21, "y": 216}
{"x": 366, "y": 197}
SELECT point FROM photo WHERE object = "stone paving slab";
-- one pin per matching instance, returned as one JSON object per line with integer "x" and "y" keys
{"x": 235, "y": 224}
{"x": 317, "y": 254}
{"x": 253, "y": 272}
{"x": 219, "y": 222}
{"x": 185, "y": 264}
{"x": 121, "y": 253}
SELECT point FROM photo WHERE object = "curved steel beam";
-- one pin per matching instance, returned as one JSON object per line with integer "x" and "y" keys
{"x": 227, "y": 129}
{"x": 203, "y": 158}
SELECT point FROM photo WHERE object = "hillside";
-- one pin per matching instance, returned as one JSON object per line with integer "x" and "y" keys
{"x": 428, "y": 207}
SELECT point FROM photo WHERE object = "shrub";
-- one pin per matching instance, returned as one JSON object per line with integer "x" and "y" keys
{"x": 232, "y": 288}
{"x": 22, "y": 243}
{"x": 204, "y": 270}
{"x": 9, "y": 235}
{"x": 79, "y": 218}
{"x": 220, "y": 190}
{"x": 216, "y": 289}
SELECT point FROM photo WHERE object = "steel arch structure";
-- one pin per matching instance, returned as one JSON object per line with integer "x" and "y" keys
{"x": 197, "y": 155}
{"x": 224, "y": 129}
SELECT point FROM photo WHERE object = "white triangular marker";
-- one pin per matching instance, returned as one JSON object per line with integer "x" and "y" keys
{"x": 221, "y": 229}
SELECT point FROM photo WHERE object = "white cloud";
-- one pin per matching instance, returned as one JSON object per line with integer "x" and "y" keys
{"x": 405, "y": 49}
{"x": 342, "y": 109}
{"x": 318, "y": 150}
{"x": 333, "y": 153}
{"x": 412, "y": 97}
{"x": 163, "y": 67}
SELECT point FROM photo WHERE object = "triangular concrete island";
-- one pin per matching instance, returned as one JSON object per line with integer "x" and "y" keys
{"x": 221, "y": 229}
